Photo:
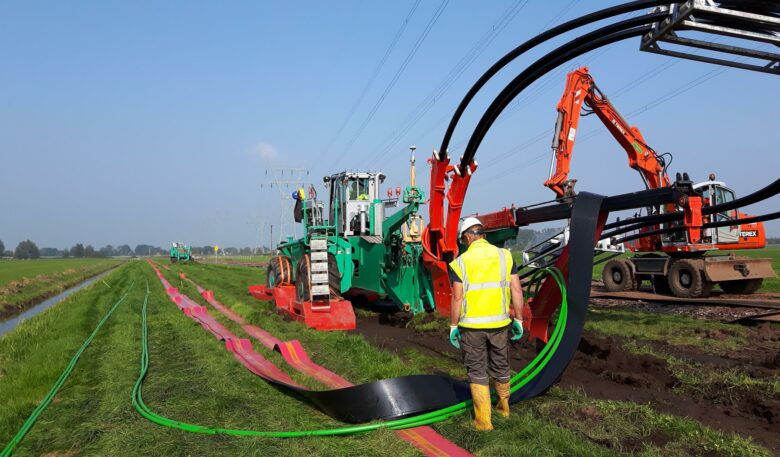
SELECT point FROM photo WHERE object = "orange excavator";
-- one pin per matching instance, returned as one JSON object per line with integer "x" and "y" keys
{"x": 673, "y": 262}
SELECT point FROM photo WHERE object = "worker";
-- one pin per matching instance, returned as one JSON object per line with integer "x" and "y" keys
{"x": 484, "y": 281}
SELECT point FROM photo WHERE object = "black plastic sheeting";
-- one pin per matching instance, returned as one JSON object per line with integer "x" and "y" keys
{"x": 405, "y": 396}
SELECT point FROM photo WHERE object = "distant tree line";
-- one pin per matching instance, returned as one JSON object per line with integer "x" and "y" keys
{"x": 773, "y": 240}
{"x": 27, "y": 249}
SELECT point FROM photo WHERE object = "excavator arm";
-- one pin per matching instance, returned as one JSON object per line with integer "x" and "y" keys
{"x": 582, "y": 90}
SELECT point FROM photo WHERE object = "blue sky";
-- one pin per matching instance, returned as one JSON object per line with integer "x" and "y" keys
{"x": 148, "y": 122}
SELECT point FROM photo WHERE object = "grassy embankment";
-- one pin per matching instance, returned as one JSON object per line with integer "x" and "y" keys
{"x": 26, "y": 282}
{"x": 227, "y": 259}
{"x": 193, "y": 378}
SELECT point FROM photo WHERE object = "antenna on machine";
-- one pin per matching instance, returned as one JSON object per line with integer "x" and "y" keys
{"x": 413, "y": 177}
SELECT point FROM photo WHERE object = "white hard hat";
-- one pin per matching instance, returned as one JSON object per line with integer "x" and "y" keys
{"x": 467, "y": 223}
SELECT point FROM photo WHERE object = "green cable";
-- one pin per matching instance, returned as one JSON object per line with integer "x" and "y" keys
{"x": 28, "y": 424}
{"x": 518, "y": 381}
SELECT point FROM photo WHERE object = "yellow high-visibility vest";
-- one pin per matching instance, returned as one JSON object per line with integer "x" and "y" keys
{"x": 485, "y": 271}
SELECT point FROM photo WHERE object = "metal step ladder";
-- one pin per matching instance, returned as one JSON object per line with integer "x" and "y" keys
{"x": 320, "y": 284}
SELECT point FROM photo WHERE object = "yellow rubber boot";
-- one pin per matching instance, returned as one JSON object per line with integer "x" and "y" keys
{"x": 502, "y": 391}
{"x": 481, "y": 396}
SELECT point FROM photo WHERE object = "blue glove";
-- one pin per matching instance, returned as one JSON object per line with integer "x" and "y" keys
{"x": 517, "y": 329}
{"x": 455, "y": 336}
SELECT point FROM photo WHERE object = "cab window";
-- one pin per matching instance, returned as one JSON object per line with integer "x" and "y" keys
{"x": 723, "y": 195}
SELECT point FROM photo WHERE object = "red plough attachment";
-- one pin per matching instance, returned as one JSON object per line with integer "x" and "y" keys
{"x": 333, "y": 314}
{"x": 439, "y": 238}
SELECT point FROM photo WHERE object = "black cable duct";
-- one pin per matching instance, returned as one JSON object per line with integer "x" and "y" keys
{"x": 724, "y": 223}
{"x": 768, "y": 191}
{"x": 532, "y": 43}
{"x": 644, "y": 222}
{"x": 635, "y": 223}
{"x": 601, "y": 37}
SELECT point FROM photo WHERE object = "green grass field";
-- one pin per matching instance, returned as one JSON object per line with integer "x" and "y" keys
{"x": 192, "y": 378}
{"x": 772, "y": 252}
{"x": 235, "y": 258}
{"x": 12, "y": 270}
{"x": 28, "y": 282}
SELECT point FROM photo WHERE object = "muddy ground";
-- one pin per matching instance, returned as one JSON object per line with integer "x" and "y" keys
{"x": 718, "y": 313}
{"x": 604, "y": 369}
{"x": 711, "y": 311}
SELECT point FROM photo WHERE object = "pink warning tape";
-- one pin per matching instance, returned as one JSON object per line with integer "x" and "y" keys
{"x": 265, "y": 338}
{"x": 296, "y": 356}
{"x": 424, "y": 438}
{"x": 240, "y": 348}
{"x": 257, "y": 364}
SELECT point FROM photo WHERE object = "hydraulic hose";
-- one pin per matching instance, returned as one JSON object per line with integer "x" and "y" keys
{"x": 28, "y": 424}
{"x": 518, "y": 381}
{"x": 532, "y": 43}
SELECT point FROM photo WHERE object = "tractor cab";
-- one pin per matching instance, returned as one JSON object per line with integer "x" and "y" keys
{"x": 354, "y": 205}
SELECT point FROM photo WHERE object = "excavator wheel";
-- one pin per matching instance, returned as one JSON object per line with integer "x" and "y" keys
{"x": 303, "y": 284}
{"x": 742, "y": 286}
{"x": 334, "y": 277}
{"x": 279, "y": 271}
{"x": 686, "y": 279}
{"x": 618, "y": 275}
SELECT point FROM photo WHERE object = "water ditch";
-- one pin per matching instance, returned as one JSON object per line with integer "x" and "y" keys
{"x": 11, "y": 323}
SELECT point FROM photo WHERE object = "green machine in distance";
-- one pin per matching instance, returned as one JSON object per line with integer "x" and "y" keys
{"x": 357, "y": 246}
{"x": 180, "y": 252}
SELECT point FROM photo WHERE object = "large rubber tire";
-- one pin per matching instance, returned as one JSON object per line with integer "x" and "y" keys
{"x": 303, "y": 284}
{"x": 742, "y": 286}
{"x": 334, "y": 277}
{"x": 279, "y": 271}
{"x": 618, "y": 275}
{"x": 686, "y": 279}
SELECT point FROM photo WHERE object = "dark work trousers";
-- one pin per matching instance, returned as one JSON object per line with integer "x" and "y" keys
{"x": 485, "y": 354}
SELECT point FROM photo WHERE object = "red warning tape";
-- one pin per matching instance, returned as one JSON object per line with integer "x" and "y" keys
{"x": 424, "y": 438}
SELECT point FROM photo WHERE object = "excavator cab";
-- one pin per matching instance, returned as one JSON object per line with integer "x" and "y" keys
{"x": 716, "y": 193}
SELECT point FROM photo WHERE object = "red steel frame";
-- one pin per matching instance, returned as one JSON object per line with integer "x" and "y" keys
{"x": 337, "y": 314}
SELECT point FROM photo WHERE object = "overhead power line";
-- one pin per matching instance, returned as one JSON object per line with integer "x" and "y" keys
{"x": 463, "y": 64}
{"x": 394, "y": 80}
{"x": 646, "y": 76}
{"x": 545, "y": 81}
{"x": 701, "y": 79}
{"x": 374, "y": 75}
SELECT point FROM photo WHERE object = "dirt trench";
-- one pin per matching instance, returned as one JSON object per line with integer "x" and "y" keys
{"x": 604, "y": 369}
